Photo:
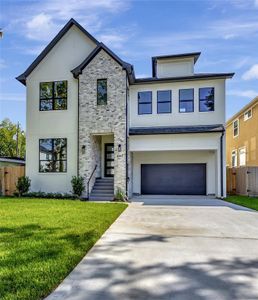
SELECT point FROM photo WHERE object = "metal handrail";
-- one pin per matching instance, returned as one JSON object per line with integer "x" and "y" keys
{"x": 88, "y": 182}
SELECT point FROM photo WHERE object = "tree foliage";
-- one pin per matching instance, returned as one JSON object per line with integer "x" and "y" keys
{"x": 8, "y": 139}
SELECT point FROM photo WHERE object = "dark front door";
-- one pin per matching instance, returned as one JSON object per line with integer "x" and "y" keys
{"x": 109, "y": 160}
{"x": 173, "y": 179}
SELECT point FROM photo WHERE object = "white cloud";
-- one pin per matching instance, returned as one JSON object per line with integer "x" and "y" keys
{"x": 2, "y": 63}
{"x": 256, "y": 3}
{"x": 252, "y": 73}
{"x": 114, "y": 40}
{"x": 243, "y": 93}
{"x": 18, "y": 97}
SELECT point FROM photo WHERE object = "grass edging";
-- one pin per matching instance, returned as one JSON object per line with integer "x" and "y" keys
{"x": 246, "y": 201}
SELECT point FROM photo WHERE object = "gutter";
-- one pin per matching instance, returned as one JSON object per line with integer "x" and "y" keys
{"x": 78, "y": 143}
{"x": 126, "y": 137}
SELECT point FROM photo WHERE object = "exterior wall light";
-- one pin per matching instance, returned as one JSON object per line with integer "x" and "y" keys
{"x": 83, "y": 149}
{"x": 119, "y": 147}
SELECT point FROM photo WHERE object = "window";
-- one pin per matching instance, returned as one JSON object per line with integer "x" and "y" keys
{"x": 234, "y": 158}
{"x": 164, "y": 102}
{"x": 242, "y": 156}
{"x": 235, "y": 128}
{"x": 101, "y": 91}
{"x": 144, "y": 103}
{"x": 248, "y": 115}
{"x": 206, "y": 99}
{"x": 186, "y": 100}
{"x": 53, "y": 95}
{"x": 52, "y": 155}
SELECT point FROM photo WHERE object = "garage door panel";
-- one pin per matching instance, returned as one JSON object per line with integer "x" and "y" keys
{"x": 173, "y": 179}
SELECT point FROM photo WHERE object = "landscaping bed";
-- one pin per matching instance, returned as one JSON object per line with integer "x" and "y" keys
{"x": 250, "y": 202}
{"x": 42, "y": 240}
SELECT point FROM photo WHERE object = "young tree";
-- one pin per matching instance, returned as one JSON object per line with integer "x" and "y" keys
{"x": 12, "y": 139}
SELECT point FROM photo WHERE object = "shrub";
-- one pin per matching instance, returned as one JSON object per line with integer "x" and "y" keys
{"x": 23, "y": 185}
{"x": 120, "y": 195}
{"x": 78, "y": 185}
{"x": 50, "y": 195}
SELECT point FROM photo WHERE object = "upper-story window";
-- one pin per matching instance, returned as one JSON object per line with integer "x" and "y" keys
{"x": 248, "y": 114}
{"x": 144, "y": 103}
{"x": 53, "y": 95}
{"x": 206, "y": 99}
{"x": 53, "y": 155}
{"x": 163, "y": 102}
{"x": 242, "y": 156}
{"x": 234, "y": 158}
{"x": 186, "y": 100}
{"x": 236, "y": 128}
{"x": 101, "y": 91}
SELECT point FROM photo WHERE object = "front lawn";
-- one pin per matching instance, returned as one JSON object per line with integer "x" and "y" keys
{"x": 41, "y": 241}
{"x": 246, "y": 201}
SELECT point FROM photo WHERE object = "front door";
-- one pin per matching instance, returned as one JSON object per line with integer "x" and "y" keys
{"x": 109, "y": 160}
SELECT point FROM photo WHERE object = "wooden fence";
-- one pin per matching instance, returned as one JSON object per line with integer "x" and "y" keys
{"x": 8, "y": 179}
{"x": 242, "y": 181}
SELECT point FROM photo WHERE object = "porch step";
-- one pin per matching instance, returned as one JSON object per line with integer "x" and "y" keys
{"x": 103, "y": 190}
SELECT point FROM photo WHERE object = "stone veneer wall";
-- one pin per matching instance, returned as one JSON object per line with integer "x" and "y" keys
{"x": 102, "y": 119}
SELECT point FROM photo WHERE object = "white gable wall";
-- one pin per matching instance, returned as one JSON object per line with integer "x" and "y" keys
{"x": 67, "y": 54}
{"x": 173, "y": 68}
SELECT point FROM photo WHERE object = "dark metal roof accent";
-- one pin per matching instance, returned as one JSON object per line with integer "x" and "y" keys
{"x": 195, "y": 55}
{"x": 184, "y": 78}
{"x": 176, "y": 129}
{"x": 49, "y": 47}
{"x": 128, "y": 67}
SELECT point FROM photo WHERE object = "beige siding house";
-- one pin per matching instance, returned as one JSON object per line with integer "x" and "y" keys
{"x": 88, "y": 115}
{"x": 242, "y": 136}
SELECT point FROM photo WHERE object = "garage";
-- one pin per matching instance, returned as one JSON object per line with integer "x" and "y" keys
{"x": 173, "y": 179}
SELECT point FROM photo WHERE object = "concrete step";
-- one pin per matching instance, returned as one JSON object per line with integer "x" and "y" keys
{"x": 102, "y": 192}
{"x": 104, "y": 180}
{"x": 103, "y": 187}
{"x": 101, "y": 198}
{"x": 105, "y": 184}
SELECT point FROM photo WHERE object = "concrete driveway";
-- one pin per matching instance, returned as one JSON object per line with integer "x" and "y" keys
{"x": 171, "y": 248}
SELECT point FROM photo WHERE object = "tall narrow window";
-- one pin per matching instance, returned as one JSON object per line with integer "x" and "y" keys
{"x": 53, "y": 95}
{"x": 52, "y": 155}
{"x": 164, "y": 102}
{"x": 234, "y": 158}
{"x": 242, "y": 156}
{"x": 236, "y": 128}
{"x": 206, "y": 99}
{"x": 186, "y": 100}
{"x": 101, "y": 91}
{"x": 144, "y": 103}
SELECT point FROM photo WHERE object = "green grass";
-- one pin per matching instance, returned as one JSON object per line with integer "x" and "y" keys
{"x": 41, "y": 241}
{"x": 246, "y": 201}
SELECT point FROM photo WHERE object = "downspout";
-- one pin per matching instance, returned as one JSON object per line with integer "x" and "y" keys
{"x": 78, "y": 138}
{"x": 221, "y": 165}
{"x": 126, "y": 137}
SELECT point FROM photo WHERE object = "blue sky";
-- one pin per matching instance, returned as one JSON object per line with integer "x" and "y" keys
{"x": 226, "y": 32}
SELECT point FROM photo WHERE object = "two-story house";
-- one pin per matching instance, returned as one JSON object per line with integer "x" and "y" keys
{"x": 242, "y": 136}
{"x": 88, "y": 115}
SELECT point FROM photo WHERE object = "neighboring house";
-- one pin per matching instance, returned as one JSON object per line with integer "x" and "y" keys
{"x": 87, "y": 114}
{"x": 11, "y": 161}
{"x": 242, "y": 136}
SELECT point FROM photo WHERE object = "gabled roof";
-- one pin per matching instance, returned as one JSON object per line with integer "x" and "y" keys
{"x": 62, "y": 32}
{"x": 128, "y": 67}
{"x": 243, "y": 110}
{"x": 194, "y": 55}
{"x": 176, "y": 129}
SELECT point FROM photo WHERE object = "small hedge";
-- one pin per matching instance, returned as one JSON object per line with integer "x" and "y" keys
{"x": 50, "y": 195}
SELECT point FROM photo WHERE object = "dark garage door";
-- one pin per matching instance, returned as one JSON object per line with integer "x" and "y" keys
{"x": 173, "y": 179}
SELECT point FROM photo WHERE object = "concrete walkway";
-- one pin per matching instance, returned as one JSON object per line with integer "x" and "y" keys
{"x": 190, "y": 248}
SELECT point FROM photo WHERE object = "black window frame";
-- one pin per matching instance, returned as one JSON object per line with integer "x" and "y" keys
{"x": 53, "y": 99}
{"x": 166, "y": 101}
{"x": 44, "y": 160}
{"x": 98, "y": 101}
{"x": 206, "y": 99}
{"x": 144, "y": 103}
{"x": 190, "y": 100}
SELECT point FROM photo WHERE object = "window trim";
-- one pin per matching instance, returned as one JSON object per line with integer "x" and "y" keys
{"x": 99, "y": 79}
{"x": 53, "y": 98}
{"x": 54, "y": 138}
{"x": 236, "y": 158}
{"x": 207, "y": 111}
{"x": 167, "y": 101}
{"x": 144, "y": 103}
{"x": 234, "y": 136}
{"x": 239, "y": 149}
{"x": 248, "y": 118}
{"x": 185, "y": 112}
